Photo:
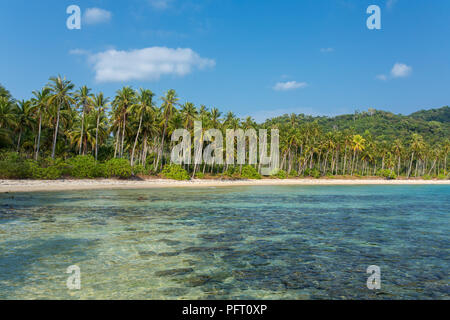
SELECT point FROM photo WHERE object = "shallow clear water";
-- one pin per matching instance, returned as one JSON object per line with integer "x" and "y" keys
{"x": 293, "y": 242}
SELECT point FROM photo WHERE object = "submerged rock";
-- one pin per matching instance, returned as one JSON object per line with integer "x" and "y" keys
{"x": 174, "y": 272}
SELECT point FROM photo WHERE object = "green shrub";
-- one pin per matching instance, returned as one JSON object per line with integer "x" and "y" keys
{"x": 442, "y": 176}
{"x": 175, "y": 172}
{"x": 281, "y": 174}
{"x": 118, "y": 168}
{"x": 249, "y": 172}
{"x": 82, "y": 167}
{"x": 230, "y": 171}
{"x": 199, "y": 175}
{"x": 427, "y": 177}
{"x": 386, "y": 173}
{"x": 293, "y": 174}
{"x": 13, "y": 167}
{"x": 139, "y": 169}
{"x": 312, "y": 173}
{"x": 100, "y": 170}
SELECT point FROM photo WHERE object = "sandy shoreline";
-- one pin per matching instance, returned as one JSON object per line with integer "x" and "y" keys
{"x": 69, "y": 185}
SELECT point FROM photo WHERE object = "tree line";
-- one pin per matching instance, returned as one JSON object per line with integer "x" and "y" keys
{"x": 62, "y": 121}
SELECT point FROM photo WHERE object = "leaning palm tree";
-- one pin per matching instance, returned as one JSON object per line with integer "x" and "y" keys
{"x": 168, "y": 107}
{"x": 40, "y": 104}
{"x": 99, "y": 103}
{"x": 84, "y": 98}
{"x": 61, "y": 96}
{"x": 142, "y": 108}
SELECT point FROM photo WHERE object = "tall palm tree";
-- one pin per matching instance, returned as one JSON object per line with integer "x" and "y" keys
{"x": 40, "y": 104}
{"x": 416, "y": 147}
{"x": 7, "y": 115}
{"x": 169, "y": 107}
{"x": 99, "y": 103}
{"x": 397, "y": 149}
{"x": 143, "y": 107}
{"x": 215, "y": 115}
{"x": 61, "y": 96}
{"x": 358, "y": 145}
{"x": 24, "y": 118}
{"x": 124, "y": 99}
{"x": 189, "y": 114}
{"x": 84, "y": 98}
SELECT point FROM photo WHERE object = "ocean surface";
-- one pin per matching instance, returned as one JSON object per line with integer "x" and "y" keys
{"x": 258, "y": 242}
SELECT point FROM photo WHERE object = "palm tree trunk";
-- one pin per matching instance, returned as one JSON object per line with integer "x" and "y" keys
{"x": 18, "y": 140}
{"x": 56, "y": 134}
{"x": 82, "y": 131}
{"x": 123, "y": 135}
{"x": 410, "y": 164}
{"x": 162, "y": 146}
{"x": 117, "y": 141}
{"x": 136, "y": 140}
{"x": 96, "y": 136}
{"x": 39, "y": 136}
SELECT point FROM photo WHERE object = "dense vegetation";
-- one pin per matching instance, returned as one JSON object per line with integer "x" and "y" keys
{"x": 67, "y": 132}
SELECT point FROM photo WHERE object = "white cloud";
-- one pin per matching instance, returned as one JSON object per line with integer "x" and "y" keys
{"x": 144, "y": 64}
{"x": 289, "y": 85}
{"x": 401, "y": 70}
{"x": 382, "y": 77}
{"x": 327, "y": 50}
{"x": 96, "y": 16}
{"x": 160, "y": 4}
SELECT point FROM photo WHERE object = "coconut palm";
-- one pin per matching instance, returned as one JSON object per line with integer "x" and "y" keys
{"x": 61, "y": 97}
{"x": 124, "y": 99}
{"x": 84, "y": 99}
{"x": 40, "y": 105}
{"x": 170, "y": 100}
{"x": 142, "y": 108}
{"x": 24, "y": 118}
{"x": 100, "y": 103}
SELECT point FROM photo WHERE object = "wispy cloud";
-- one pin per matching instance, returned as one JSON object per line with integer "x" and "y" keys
{"x": 144, "y": 64}
{"x": 289, "y": 85}
{"x": 327, "y": 50}
{"x": 399, "y": 70}
{"x": 96, "y": 16}
{"x": 160, "y": 4}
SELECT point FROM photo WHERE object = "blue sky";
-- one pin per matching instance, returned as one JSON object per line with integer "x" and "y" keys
{"x": 258, "y": 58}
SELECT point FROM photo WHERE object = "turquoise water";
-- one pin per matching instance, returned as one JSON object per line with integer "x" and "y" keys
{"x": 293, "y": 242}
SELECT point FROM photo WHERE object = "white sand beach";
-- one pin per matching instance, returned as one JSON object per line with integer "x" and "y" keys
{"x": 68, "y": 185}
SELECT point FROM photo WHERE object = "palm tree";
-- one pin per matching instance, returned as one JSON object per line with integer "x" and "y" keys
{"x": 189, "y": 114}
{"x": 40, "y": 104}
{"x": 84, "y": 98}
{"x": 416, "y": 147}
{"x": 124, "y": 99}
{"x": 99, "y": 103}
{"x": 357, "y": 146}
{"x": 61, "y": 96}
{"x": 143, "y": 107}
{"x": 7, "y": 116}
{"x": 24, "y": 118}
{"x": 215, "y": 115}
{"x": 168, "y": 107}
{"x": 397, "y": 149}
